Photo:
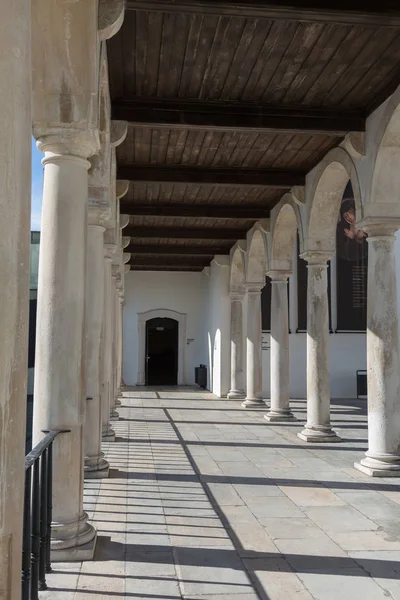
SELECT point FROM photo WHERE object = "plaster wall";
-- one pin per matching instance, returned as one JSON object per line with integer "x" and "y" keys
{"x": 180, "y": 292}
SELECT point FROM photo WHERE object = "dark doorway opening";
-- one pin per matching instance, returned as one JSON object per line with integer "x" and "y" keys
{"x": 162, "y": 351}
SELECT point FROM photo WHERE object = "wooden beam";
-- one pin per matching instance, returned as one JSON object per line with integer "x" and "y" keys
{"x": 177, "y": 249}
{"x": 369, "y": 12}
{"x": 210, "y": 211}
{"x": 237, "y": 116}
{"x": 185, "y": 233}
{"x": 268, "y": 178}
{"x": 170, "y": 261}
{"x": 165, "y": 268}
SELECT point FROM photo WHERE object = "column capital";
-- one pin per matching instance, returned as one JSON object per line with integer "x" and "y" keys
{"x": 125, "y": 241}
{"x": 70, "y": 142}
{"x": 96, "y": 217}
{"x": 109, "y": 250}
{"x": 278, "y": 276}
{"x": 127, "y": 268}
{"x": 380, "y": 228}
{"x": 316, "y": 258}
{"x": 254, "y": 287}
{"x": 126, "y": 257}
{"x": 237, "y": 294}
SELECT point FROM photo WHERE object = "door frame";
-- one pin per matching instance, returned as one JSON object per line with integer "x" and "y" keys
{"x": 160, "y": 313}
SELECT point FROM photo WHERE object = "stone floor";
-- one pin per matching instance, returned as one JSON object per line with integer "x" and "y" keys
{"x": 208, "y": 501}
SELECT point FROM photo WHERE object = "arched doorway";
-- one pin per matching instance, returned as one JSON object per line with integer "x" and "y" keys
{"x": 162, "y": 335}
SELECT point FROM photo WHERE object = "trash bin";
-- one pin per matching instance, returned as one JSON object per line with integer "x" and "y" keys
{"x": 200, "y": 376}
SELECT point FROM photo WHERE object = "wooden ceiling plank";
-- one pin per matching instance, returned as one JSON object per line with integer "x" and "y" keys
{"x": 268, "y": 178}
{"x": 236, "y": 116}
{"x": 385, "y": 12}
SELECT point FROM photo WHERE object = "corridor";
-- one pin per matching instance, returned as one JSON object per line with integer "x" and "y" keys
{"x": 207, "y": 501}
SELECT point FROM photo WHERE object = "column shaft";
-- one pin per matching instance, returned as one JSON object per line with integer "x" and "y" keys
{"x": 280, "y": 372}
{"x": 59, "y": 373}
{"x": 108, "y": 434}
{"x": 318, "y": 427}
{"x": 114, "y": 416}
{"x": 383, "y": 455}
{"x": 236, "y": 390}
{"x": 15, "y": 186}
{"x": 95, "y": 464}
{"x": 253, "y": 347}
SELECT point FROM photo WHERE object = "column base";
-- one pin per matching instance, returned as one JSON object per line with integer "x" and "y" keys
{"x": 76, "y": 554}
{"x": 96, "y": 468}
{"x": 117, "y": 402}
{"x": 73, "y": 541}
{"x": 114, "y": 416}
{"x": 386, "y": 465}
{"x": 236, "y": 395}
{"x": 320, "y": 435}
{"x": 251, "y": 402}
{"x": 274, "y": 416}
{"x": 108, "y": 435}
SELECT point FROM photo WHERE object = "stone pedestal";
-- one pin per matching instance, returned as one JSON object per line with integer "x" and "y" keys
{"x": 383, "y": 456}
{"x": 95, "y": 464}
{"x": 280, "y": 377}
{"x": 15, "y": 190}
{"x": 59, "y": 373}
{"x": 253, "y": 347}
{"x": 236, "y": 390}
{"x": 318, "y": 427}
{"x": 108, "y": 434}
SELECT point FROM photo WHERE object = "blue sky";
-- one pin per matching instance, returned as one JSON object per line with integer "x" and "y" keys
{"x": 37, "y": 185}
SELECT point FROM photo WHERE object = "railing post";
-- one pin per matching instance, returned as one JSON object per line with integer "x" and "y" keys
{"x": 43, "y": 520}
{"x": 49, "y": 505}
{"x": 26, "y": 544}
{"x": 35, "y": 530}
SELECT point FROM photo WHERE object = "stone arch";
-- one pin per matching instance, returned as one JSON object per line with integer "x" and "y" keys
{"x": 237, "y": 274}
{"x": 384, "y": 189}
{"x": 325, "y": 186}
{"x": 257, "y": 253}
{"x": 285, "y": 223}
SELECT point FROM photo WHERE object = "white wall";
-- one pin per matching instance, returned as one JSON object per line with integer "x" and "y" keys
{"x": 347, "y": 355}
{"x": 181, "y": 292}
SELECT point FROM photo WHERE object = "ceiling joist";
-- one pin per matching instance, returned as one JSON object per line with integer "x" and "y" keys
{"x": 268, "y": 178}
{"x": 237, "y": 116}
{"x": 177, "y": 249}
{"x": 385, "y": 13}
{"x": 185, "y": 233}
{"x": 210, "y": 211}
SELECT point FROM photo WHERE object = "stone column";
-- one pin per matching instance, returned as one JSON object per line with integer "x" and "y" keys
{"x": 120, "y": 338}
{"x": 236, "y": 390}
{"x": 253, "y": 346}
{"x": 108, "y": 434}
{"x": 15, "y": 189}
{"x": 280, "y": 366}
{"x": 114, "y": 415}
{"x": 383, "y": 455}
{"x": 59, "y": 373}
{"x": 95, "y": 464}
{"x": 318, "y": 426}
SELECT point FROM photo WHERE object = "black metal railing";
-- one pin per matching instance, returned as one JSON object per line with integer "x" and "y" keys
{"x": 37, "y": 516}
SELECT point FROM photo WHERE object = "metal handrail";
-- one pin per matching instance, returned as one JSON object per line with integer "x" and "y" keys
{"x": 37, "y": 516}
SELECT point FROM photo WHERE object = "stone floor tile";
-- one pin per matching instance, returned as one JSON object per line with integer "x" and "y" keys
{"x": 252, "y": 539}
{"x": 317, "y": 554}
{"x": 274, "y": 506}
{"x": 238, "y": 514}
{"x": 258, "y": 490}
{"x": 340, "y": 518}
{"x": 292, "y": 528}
{"x": 275, "y": 580}
{"x": 315, "y": 495}
{"x": 225, "y": 494}
{"x": 346, "y": 584}
{"x": 384, "y": 567}
{"x": 365, "y": 540}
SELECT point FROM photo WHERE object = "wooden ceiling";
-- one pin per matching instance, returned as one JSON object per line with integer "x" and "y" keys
{"x": 230, "y": 104}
